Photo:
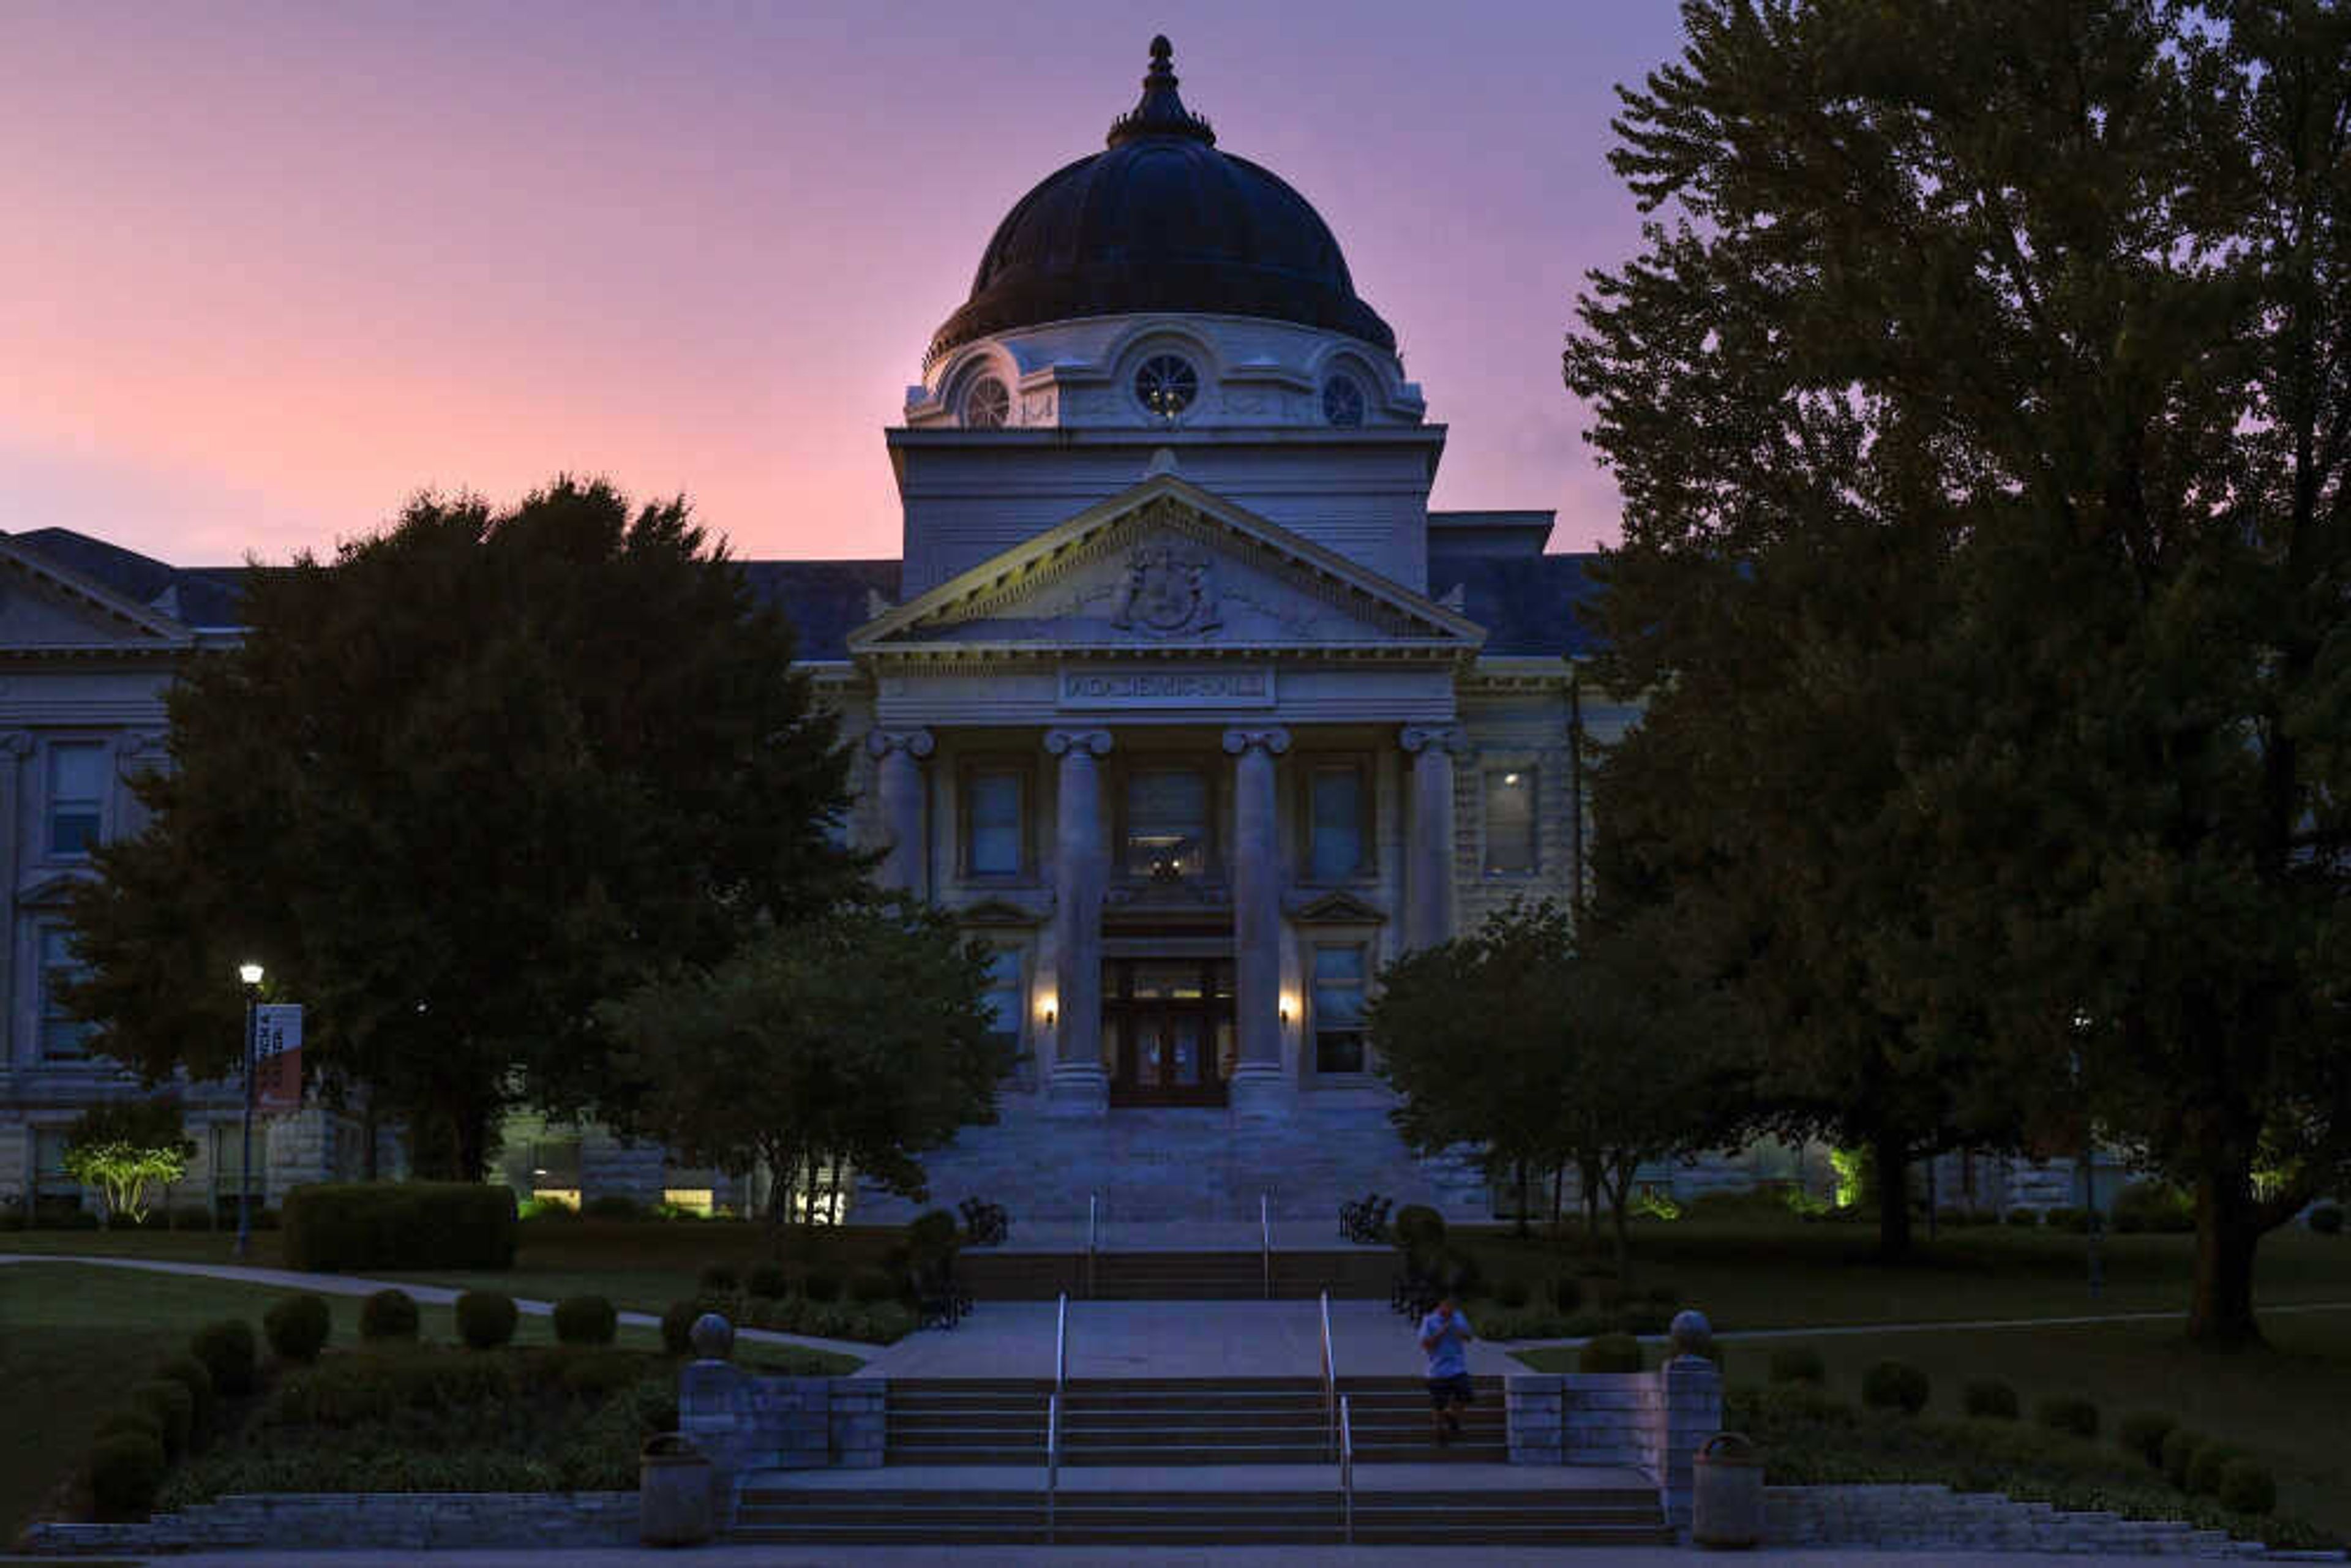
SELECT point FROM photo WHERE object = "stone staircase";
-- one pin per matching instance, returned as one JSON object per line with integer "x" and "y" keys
{"x": 1168, "y": 1276}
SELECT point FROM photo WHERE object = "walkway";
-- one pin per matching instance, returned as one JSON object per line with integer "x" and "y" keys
{"x": 1173, "y": 1339}
{"x": 431, "y": 1295}
{"x": 832, "y": 1556}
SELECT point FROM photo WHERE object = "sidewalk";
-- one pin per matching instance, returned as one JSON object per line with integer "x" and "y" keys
{"x": 832, "y": 1556}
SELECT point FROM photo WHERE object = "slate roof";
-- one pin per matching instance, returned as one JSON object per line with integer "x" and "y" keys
{"x": 1526, "y": 603}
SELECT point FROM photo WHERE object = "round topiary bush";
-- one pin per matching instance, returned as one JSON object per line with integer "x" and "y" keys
{"x": 126, "y": 1472}
{"x": 174, "y": 1410}
{"x": 297, "y": 1327}
{"x": 677, "y": 1327}
{"x": 228, "y": 1351}
{"x": 820, "y": 1285}
{"x": 389, "y": 1315}
{"x": 2326, "y": 1220}
{"x": 1512, "y": 1294}
{"x": 2142, "y": 1432}
{"x": 1419, "y": 1228}
{"x": 2066, "y": 1413}
{"x": 487, "y": 1319}
{"x": 768, "y": 1281}
{"x": 191, "y": 1374}
{"x": 1990, "y": 1398}
{"x": 585, "y": 1320}
{"x": 1799, "y": 1363}
{"x": 1610, "y": 1352}
{"x": 2023, "y": 1219}
{"x": 721, "y": 1278}
{"x": 2204, "y": 1471}
{"x": 869, "y": 1287}
{"x": 2246, "y": 1487}
{"x": 2180, "y": 1450}
{"x": 933, "y": 1234}
{"x": 1895, "y": 1386}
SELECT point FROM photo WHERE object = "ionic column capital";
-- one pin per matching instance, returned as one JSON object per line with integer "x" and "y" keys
{"x": 16, "y": 743}
{"x": 1273, "y": 742}
{"x": 914, "y": 743}
{"x": 1449, "y": 737}
{"x": 1088, "y": 742}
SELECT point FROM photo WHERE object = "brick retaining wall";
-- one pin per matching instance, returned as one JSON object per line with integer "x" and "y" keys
{"x": 1935, "y": 1518}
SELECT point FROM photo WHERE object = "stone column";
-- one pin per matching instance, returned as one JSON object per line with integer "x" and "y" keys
{"x": 1079, "y": 1086}
{"x": 1428, "y": 854}
{"x": 903, "y": 795}
{"x": 1258, "y": 1086}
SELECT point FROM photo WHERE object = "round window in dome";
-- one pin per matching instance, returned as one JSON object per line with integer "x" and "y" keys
{"x": 1165, "y": 384}
{"x": 1343, "y": 402}
{"x": 987, "y": 405}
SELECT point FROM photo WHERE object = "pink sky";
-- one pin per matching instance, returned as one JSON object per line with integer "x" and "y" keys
{"x": 267, "y": 269}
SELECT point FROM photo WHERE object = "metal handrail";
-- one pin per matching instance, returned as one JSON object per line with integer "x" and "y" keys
{"x": 1061, "y": 1344}
{"x": 1053, "y": 1459}
{"x": 1265, "y": 1237}
{"x": 1330, "y": 1377}
{"x": 1347, "y": 1466}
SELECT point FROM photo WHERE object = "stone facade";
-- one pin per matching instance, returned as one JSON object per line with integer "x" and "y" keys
{"x": 1650, "y": 1421}
{"x": 1928, "y": 1519}
{"x": 745, "y": 1423}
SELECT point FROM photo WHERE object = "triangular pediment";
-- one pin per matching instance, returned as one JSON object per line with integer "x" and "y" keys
{"x": 45, "y": 607}
{"x": 1338, "y": 908}
{"x": 1169, "y": 565}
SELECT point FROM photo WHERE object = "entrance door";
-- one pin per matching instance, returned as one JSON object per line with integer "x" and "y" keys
{"x": 1167, "y": 1031}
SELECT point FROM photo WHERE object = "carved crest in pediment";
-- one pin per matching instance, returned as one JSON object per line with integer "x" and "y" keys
{"x": 1170, "y": 590}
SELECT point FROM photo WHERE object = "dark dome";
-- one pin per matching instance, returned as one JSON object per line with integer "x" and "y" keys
{"x": 1162, "y": 222}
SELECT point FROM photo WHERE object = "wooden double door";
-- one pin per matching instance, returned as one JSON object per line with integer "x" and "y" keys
{"x": 1167, "y": 1029}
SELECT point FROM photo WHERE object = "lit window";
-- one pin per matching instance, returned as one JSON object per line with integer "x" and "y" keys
{"x": 1165, "y": 384}
{"x": 77, "y": 797}
{"x": 1343, "y": 402}
{"x": 1339, "y": 1010}
{"x": 699, "y": 1200}
{"x": 64, "y": 1038}
{"x": 1337, "y": 846}
{"x": 1166, "y": 824}
{"x": 988, "y": 406}
{"x": 1510, "y": 823}
{"x": 992, "y": 826}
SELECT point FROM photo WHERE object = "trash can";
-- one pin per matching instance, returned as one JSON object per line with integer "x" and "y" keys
{"x": 674, "y": 1501}
{"x": 1727, "y": 1504}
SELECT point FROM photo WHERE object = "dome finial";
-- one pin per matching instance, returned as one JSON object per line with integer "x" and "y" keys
{"x": 1161, "y": 112}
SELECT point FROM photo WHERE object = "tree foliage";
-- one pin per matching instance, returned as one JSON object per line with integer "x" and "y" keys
{"x": 1982, "y": 415}
{"x": 859, "y": 1038}
{"x": 124, "y": 1147}
{"x": 454, "y": 786}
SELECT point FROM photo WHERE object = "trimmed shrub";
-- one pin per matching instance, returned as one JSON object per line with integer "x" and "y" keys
{"x": 1610, "y": 1352}
{"x": 2068, "y": 1413}
{"x": 2246, "y": 1487}
{"x": 487, "y": 1319}
{"x": 191, "y": 1373}
{"x": 820, "y": 1285}
{"x": 2150, "y": 1205}
{"x": 932, "y": 1235}
{"x": 867, "y": 1286}
{"x": 2023, "y": 1219}
{"x": 1990, "y": 1398}
{"x": 585, "y": 1320}
{"x": 2064, "y": 1217}
{"x": 1512, "y": 1294}
{"x": 228, "y": 1351}
{"x": 126, "y": 1472}
{"x": 768, "y": 1281}
{"x": 2326, "y": 1220}
{"x": 721, "y": 1278}
{"x": 356, "y": 1225}
{"x": 297, "y": 1327}
{"x": 1567, "y": 1293}
{"x": 1645, "y": 1317}
{"x": 1895, "y": 1386}
{"x": 2179, "y": 1450}
{"x": 595, "y": 1374}
{"x": 2204, "y": 1471}
{"x": 614, "y": 1206}
{"x": 677, "y": 1327}
{"x": 136, "y": 1418}
{"x": 2142, "y": 1432}
{"x": 174, "y": 1409}
{"x": 1419, "y": 1228}
{"x": 1799, "y": 1363}
{"x": 387, "y": 1316}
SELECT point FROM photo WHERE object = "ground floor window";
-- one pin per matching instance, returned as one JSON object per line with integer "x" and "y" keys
{"x": 1007, "y": 1001}
{"x": 64, "y": 1038}
{"x": 1339, "y": 982}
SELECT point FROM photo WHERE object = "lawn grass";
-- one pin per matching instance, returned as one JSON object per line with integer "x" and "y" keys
{"x": 2285, "y": 1403}
{"x": 75, "y": 1338}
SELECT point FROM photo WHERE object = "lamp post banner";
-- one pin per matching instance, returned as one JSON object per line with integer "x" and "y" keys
{"x": 277, "y": 1058}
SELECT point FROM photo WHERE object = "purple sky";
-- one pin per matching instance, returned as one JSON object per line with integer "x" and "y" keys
{"x": 267, "y": 269}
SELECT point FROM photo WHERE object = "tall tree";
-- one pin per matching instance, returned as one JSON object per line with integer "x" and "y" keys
{"x": 858, "y": 1039}
{"x": 454, "y": 788}
{"x": 2057, "y": 317}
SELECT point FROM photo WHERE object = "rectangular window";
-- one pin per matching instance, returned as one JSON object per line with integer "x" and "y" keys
{"x": 49, "y": 1177}
{"x": 77, "y": 797}
{"x": 1338, "y": 823}
{"x": 1510, "y": 823}
{"x": 1339, "y": 981}
{"x": 994, "y": 835}
{"x": 1007, "y": 1000}
{"x": 64, "y": 1038}
{"x": 1166, "y": 824}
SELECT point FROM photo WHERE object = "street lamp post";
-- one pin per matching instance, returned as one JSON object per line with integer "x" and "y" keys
{"x": 250, "y": 975}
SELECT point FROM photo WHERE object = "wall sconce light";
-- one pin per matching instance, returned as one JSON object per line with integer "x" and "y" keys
{"x": 1049, "y": 1015}
{"x": 1284, "y": 1011}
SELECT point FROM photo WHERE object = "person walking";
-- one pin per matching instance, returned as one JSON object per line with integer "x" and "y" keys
{"x": 1445, "y": 1336}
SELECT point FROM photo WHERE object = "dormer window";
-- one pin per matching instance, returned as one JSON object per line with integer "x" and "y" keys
{"x": 1165, "y": 384}
{"x": 1343, "y": 402}
{"x": 987, "y": 405}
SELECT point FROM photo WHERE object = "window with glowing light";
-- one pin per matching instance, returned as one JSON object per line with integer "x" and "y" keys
{"x": 1165, "y": 384}
{"x": 1510, "y": 821}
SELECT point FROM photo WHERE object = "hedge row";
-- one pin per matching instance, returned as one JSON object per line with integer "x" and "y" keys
{"x": 333, "y": 1227}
